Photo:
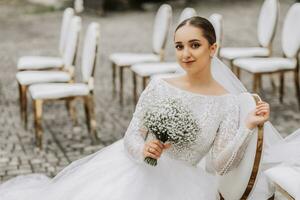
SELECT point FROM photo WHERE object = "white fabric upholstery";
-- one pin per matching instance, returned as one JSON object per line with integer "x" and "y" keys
{"x": 267, "y": 21}
{"x": 286, "y": 177}
{"x": 128, "y": 59}
{"x": 257, "y": 65}
{"x": 231, "y": 53}
{"x": 233, "y": 184}
{"x": 187, "y": 13}
{"x": 291, "y": 31}
{"x": 39, "y": 62}
{"x": 217, "y": 22}
{"x": 33, "y": 77}
{"x": 161, "y": 27}
{"x": 67, "y": 16}
{"x": 89, "y": 50}
{"x": 149, "y": 69}
{"x": 72, "y": 41}
{"x": 58, "y": 90}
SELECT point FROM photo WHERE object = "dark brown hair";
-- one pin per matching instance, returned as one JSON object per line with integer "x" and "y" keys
{"x": 203, "y": 24}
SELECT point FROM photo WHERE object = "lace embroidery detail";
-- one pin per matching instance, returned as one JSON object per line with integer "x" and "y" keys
{"x": 216, "y": 116}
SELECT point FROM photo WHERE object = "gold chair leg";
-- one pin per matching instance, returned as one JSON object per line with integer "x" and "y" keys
{"x": 114, "y": 78}
{"x": 91, "y": 119}
{"x": 38, "y": 109}
{"x": 134, "y": 87}
{"x": 72, "y": 111}
{"x": 145, "y": 82}
{"x": 121, "y": 84}
{"x": 281, "y": 88}
{"x": 296, "y": 78}
{"x": 255, "y": 81}
{"x": 23, "y": 103}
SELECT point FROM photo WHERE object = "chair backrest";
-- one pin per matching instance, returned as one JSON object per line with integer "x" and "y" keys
{"x": 291, "y": 32}
{"x": 161, "y": 29}
{"x": 238, "y": 183}
{"x": 78, "y": 6}
{"x": 72, "y": 42}
{"x": 89, "y": 53}
{"x": 67, "y": 16}
{"x": 267, "y": 22}
{"x": 187, "y": 13}
{"x": 217, "y": 22}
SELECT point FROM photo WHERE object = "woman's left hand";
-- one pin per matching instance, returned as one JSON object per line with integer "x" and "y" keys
{"x": 260, "y": 115}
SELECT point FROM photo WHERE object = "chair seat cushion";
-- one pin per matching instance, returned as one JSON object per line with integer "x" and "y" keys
{"x": 286, "y": 177}
{"x": 39, "y": 62}
{"x": 128, "y": 59}
{"x": 231, "y": 53}
{"x": 259, "y": 65}
{"x": 149, "y": 69}
{"x": 58, "y": 90}
{"x": 33, "y": 77}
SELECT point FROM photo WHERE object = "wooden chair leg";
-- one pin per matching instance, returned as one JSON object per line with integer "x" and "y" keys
{"x": 255, "y": 81}
{"x": 259, "y": 83}
{"x": 296, "y": 79}
{"x": 38, "y": 109}
{"x": 273, "y": 84}
{"x": 281, "y": 88}
{"x": 238, "y": 72}
{"x": 134, "y": 87}
{"x": 114, "y": 78}
{"x": 23, "y": 104}
{"x": 145, "y": 82}
{"x": 91, "y": 119}
{"x": 72, "y": 111}
{"x": 121, "y": 84}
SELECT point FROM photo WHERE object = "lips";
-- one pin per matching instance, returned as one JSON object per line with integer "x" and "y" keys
{"x": 188, "y": 62}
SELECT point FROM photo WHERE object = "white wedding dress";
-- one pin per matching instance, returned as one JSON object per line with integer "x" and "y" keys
{"x": 118, "y": 171}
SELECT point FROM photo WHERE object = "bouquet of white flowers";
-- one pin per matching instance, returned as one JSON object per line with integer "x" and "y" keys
{"x": 170, "y": 121}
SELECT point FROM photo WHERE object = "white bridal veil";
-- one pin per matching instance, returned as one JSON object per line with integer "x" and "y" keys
{"x": 277, "y": 150}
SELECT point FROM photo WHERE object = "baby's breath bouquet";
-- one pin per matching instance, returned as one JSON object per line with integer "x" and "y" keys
{"x": 169, "y": 120}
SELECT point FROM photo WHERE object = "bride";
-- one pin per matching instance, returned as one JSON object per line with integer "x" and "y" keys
{"x": 208, "y": 92}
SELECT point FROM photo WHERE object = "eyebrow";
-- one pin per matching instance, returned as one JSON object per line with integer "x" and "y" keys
{"x": 190, "y": 41}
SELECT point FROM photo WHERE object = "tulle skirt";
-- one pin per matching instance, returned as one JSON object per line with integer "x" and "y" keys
{"x": 110, "y": 174}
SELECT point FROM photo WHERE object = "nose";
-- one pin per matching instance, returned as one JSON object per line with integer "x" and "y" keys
{"x": 186, "y": 53}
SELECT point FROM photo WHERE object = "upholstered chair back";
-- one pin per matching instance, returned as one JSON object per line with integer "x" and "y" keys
{"x": 291, "y": 32}
{"x": 161, "y": 29}
{"x": 217, "y": 22}
{"x": 187, "y": 13}
{"x": 89, "y": 54}
{"x": 72, "y": 41}
{"x": 267, "y": 22}
{"x": 67, "y": 16}
{"x": 234, "y": 184}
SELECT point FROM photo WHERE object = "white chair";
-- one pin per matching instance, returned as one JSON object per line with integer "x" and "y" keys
{"x": 290, "y": 41}
{"x": 266, "y": 28}
{"x": 71, "y": 91}
{"x": 240, "y": 181}
{"x": 160, "y": 32}
{"x": 46, "y": 62}
{"x": 26, "y": 78}
{"x": 286, "y": 180}
{"x": 146, "y": 70}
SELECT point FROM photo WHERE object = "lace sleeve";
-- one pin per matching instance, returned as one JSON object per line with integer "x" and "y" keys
{"x": 134, "y": 138}
{"x": 230, "y": 142}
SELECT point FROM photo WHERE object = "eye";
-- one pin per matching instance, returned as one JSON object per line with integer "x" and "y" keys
{"x": 195, "y": 45}
{"x": 179, "y": 47}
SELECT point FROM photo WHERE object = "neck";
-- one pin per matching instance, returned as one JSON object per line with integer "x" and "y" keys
{"x": 203, "y": 77}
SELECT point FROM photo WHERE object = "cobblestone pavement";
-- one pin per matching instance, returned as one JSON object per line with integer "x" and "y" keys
{"x": 27, "y": 31}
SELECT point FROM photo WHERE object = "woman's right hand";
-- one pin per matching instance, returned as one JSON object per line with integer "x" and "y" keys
{"x": 154, "y": 148}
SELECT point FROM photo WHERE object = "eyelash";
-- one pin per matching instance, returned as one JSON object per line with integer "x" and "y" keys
{"x": 193, "y": 46}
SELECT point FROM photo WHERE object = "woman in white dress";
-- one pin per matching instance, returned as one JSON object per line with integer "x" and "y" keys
{"x": 119, "y": 171}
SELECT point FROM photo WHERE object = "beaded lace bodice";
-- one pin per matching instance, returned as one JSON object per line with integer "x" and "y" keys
{"x": 217, "y": 117}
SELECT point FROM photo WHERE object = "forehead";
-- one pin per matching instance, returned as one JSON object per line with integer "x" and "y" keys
{"x": 188, "y": 32}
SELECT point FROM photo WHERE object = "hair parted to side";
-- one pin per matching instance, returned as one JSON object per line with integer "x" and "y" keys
{"x": 203, "y": 24}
